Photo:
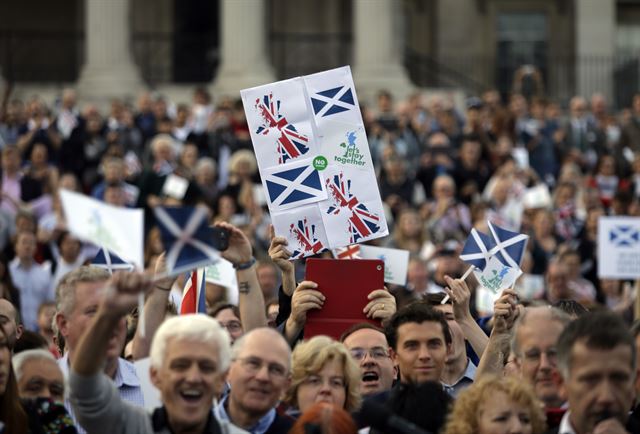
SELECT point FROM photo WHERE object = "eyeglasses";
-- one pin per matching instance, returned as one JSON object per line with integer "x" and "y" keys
{"x": 376, "y": 353}
{"x": 232, "y": 326}
{"x": 534, "y": 355}
{"x": 253, "y": 365}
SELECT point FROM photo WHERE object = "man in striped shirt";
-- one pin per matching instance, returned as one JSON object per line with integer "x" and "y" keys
{"x": 77, "y": 297}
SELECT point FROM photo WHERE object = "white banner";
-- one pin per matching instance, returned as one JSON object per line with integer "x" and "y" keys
{"x": 222, "y": 273}
{"x": 619, "y": 247}
{"x": 396, "y": 262}
{"x": 120, "y": 230}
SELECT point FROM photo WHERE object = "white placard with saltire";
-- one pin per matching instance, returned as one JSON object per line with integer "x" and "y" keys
{"x": 120, "y": 230}
{"x": 619, "y": 247}
{"x": 316, "y": 119}
{"x": 332, "y": 95}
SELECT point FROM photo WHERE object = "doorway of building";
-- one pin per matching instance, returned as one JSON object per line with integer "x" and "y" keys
{"x": 522, "y": 50}
{"x": 195, "y": 41}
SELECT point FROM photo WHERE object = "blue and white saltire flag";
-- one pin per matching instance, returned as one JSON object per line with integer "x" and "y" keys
{"x": 332, "y": 101}
{"x": 495, "y": 258}
{"x": 186, "y": 238}
{"x": 193, "y": 295}
{"x": 476, "y": 250}
{"x": 294, "y": 184}
{"x": 111, "y": 262}
{"x": 624, "y": 236}
{"x": 509, "y": 246}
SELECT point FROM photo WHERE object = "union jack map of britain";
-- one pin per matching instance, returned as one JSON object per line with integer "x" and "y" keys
{"x": 314, "y": 161}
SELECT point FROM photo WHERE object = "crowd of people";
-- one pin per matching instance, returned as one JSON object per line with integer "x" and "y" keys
{"x": 557, "y": 351}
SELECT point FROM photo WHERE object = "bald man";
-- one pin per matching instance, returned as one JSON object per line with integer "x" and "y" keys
{"x": 10, "y": 322}
{"x": 255, "y": 392}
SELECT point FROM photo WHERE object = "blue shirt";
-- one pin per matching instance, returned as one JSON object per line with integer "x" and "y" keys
{"x": 259, "y": 428}
{"x": 463, "y": 382}
{"x": 34, "y": 284}
{"x": 126, "y": 380}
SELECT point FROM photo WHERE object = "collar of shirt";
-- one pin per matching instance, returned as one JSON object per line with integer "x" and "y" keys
{"x": 16, "y": 263}
{"x": 469, "y": 374}
{"x": 160, "y": 420}
{"x": 125, "y": 373}
{"x": 259, "y": 428}
{"x": 565, "y": 425}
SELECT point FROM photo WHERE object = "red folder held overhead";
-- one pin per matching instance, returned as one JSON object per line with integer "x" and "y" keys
{"x": 346, "y": 285}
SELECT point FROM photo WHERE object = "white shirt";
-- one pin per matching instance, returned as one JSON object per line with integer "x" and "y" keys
{"x": 565, "y": 425}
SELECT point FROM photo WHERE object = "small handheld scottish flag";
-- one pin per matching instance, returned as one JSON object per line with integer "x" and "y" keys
{"x": 111, "y": 262}
{"x": 495, "y": 259}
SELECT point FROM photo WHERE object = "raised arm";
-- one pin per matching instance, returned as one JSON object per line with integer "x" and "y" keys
{"x": 305, "y": 298}
{"x": 460, "y": 294}
{"x": 280, "y": 256}
{"x": 505, "y": 311}
{"x": 251, "y": 300}
{"x": 155, "y": 309}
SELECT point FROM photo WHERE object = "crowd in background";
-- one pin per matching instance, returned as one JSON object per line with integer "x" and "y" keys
{"x": 525, "y": 163}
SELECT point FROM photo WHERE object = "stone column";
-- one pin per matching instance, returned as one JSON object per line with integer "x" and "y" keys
{"x": 595, "y": 46}
{"x": 377, "y": 52}
{"x": 109, "y": 70}
{"x": 244, "y": 60}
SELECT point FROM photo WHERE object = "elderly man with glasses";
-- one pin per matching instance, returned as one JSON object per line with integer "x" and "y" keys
{"x": 259, "y": 374}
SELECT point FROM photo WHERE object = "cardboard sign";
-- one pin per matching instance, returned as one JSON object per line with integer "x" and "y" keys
{"x": 619, "y": 247}
{"x": 313, "y": 155}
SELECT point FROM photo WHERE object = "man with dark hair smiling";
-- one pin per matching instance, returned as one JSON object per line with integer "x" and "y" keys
{"x": 420, "y": 342}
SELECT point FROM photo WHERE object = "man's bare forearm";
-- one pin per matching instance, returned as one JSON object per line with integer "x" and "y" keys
{"x": 251, "y": 300}
{"x": 493, "y": 358}
{"x": 474, "y": 334}
{"x": 155, "y": 310}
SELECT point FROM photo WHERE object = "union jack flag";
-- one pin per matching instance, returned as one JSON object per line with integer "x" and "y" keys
{"x": 305, "y": 235}
{"x": 350, "y": 252}
{"x": 362, "y": 223}
{"x": 193, "y": 295}
{"x": 291, "y": 143}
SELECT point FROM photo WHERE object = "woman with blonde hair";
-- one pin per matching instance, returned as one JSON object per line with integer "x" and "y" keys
{"x": 323, "y": 370}
{"x": 496, "y": 405}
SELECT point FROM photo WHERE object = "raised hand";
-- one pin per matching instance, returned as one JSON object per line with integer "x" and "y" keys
{"x": 240, "y": 250}
{"x": 505, "y": 311}
{"x": 279, "y": 253}
{"x": 121, "y": 294}
{"x": 160, "y": 270}
{"x": 305, "y": 298}
{"x": 460, "y": 295}
{"x": 382, "y": 305}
